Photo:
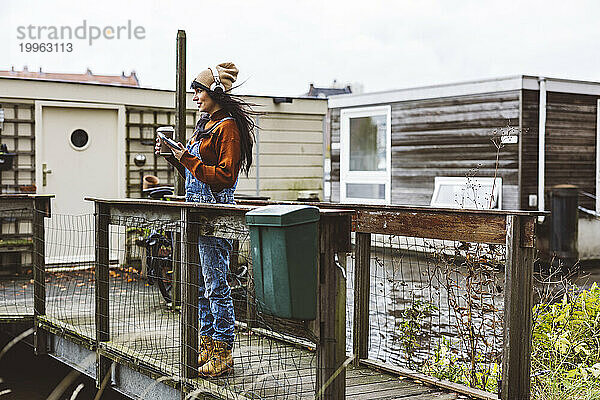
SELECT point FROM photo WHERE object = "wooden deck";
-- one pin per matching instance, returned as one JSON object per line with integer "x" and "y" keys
{"x": 145, "y": 333}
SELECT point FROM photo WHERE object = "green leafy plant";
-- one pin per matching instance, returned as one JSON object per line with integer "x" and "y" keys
{"x": 411, "y": 324}
{"x": 565, "y": 357}
{"x": 445, "y": 364}
{"x": 566, "y": 346}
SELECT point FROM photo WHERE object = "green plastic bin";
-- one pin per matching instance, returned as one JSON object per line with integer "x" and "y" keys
{"x": 283, "y": 239}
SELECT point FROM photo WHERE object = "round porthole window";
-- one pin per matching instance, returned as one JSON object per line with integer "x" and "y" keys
{"x": 79, "y": 139}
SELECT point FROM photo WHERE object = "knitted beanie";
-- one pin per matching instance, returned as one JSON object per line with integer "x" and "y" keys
{"x": 227, "y": 74}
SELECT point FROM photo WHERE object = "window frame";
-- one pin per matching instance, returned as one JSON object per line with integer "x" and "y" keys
{"x": 85, "y": 146}
{"x": 597, "y": 157}
{"x": 368, "y": 177}
{"x": 464, "y": 181}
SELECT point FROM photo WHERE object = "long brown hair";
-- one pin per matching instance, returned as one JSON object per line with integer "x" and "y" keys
{"x": 243, "y": 115}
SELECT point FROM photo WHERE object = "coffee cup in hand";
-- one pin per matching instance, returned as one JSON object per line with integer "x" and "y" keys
{"x": 167, "y": 131}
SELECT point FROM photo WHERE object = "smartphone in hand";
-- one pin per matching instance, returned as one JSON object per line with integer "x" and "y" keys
{"x": 168, "y": 141}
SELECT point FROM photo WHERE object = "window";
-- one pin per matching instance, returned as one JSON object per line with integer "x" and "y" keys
{"x": 365, "y": 157}
{"x": 598, "y": 158}
{"x": 79, "y": 139}
{"x": 471, "y": 193}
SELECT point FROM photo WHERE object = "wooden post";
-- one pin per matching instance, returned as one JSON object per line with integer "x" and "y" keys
{"x": 180, "y": 136}
{"x": 190, "y": 262}
{"x": 518, "y": 299}
{"x": 233, "y": 268}
{"x": 362, "y": 293}
{"x": 250, "y": 298}
{"x": 176, "y": 289}
{"x": 180, "y": 105}
{"x": 334, "y": 234}
{"x": 340, "y": 317}
{"x": 234, "y": 256}
{"x": 41, "y": 209}
{"x": 102, "y": 288}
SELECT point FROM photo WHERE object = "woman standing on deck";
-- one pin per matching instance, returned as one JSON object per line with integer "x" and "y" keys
{"x": 219, "y": 148}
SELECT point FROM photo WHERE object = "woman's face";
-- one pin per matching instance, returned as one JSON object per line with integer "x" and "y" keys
{"x": 205, "y": 102}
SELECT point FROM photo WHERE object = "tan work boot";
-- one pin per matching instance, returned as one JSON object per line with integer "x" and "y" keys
{"x": 220, "y": 361}
{"x": 205, "y": 350}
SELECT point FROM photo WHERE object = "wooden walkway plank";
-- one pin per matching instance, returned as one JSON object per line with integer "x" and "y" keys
{"x": 145, "y": 333}
{"x": 407, "y": 388}
{"x": 353, "y": 380}
{"x": 433, "y": 396}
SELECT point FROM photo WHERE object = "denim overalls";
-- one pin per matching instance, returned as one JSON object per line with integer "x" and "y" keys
{"x": 215, "y": 305}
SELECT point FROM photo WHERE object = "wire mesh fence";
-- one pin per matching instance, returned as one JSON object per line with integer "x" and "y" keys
{"x": 69, "y": 273}
{"x": 436, "y": 307}
{"x": 145, "y": 323}
{"x": 147, "y": 287}
{"x": 145, "y": 300}
{"x": 16, "y": 277}
{"x": 141, "y": 322}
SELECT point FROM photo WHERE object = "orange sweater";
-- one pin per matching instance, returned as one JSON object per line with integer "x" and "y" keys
{"x": 220, "y": 153}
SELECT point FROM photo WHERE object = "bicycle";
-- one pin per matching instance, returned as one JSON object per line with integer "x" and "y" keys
{"x": 159, "y": 261}
{"x": 159, "y": 251}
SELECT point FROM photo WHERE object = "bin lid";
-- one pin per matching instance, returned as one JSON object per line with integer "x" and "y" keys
{"x": 282, "y": 215}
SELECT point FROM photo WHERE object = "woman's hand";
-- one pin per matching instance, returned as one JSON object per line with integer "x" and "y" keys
{"x": 178, "y": 153}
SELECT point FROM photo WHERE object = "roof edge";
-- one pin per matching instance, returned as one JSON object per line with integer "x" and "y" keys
{"x": 431, "y": 91}
{"x": 501, "y": 84}
{"x": 440, "y": 85}
{"x": 17, "y": 78}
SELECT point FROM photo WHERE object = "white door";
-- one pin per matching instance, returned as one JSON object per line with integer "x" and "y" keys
{"x": 78, "y": 154}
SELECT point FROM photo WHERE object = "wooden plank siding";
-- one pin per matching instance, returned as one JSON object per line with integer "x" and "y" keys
{"x": 290, "y": 156}
{"x": 449, "y": 136}
{"x": 290, "y": 152}
{"x": 570, "y": 143}
{"x": 18, "y": 133}
{"x": 529, "y": 154}
{"x": 334, "y": 153}
{"x": 141, "y": 124}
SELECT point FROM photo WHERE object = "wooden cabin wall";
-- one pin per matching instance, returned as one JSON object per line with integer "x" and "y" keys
{"x": 529, "y": 152}
{"x": 141, "y": 124}
{"x": 334, "y": 153}
{"x": 18, "y": 133}
{"x": 290, "y": 155}
{"x": 570, "y": 143}
{"x": 444, "y": 137}
{"x": 290, "y": 146}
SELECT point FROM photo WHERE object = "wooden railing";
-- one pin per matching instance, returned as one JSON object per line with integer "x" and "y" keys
{"x": 20, "y": 240}
{"x": 213, "y": 220}
{"x": 36, "y": 208}
{"x": 513, "y": 229}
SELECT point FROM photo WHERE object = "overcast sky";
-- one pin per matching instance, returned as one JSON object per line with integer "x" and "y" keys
{"x": 281, "y": 46}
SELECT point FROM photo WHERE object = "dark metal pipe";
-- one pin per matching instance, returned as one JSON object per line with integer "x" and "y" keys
{"x": 563, "y": 242}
